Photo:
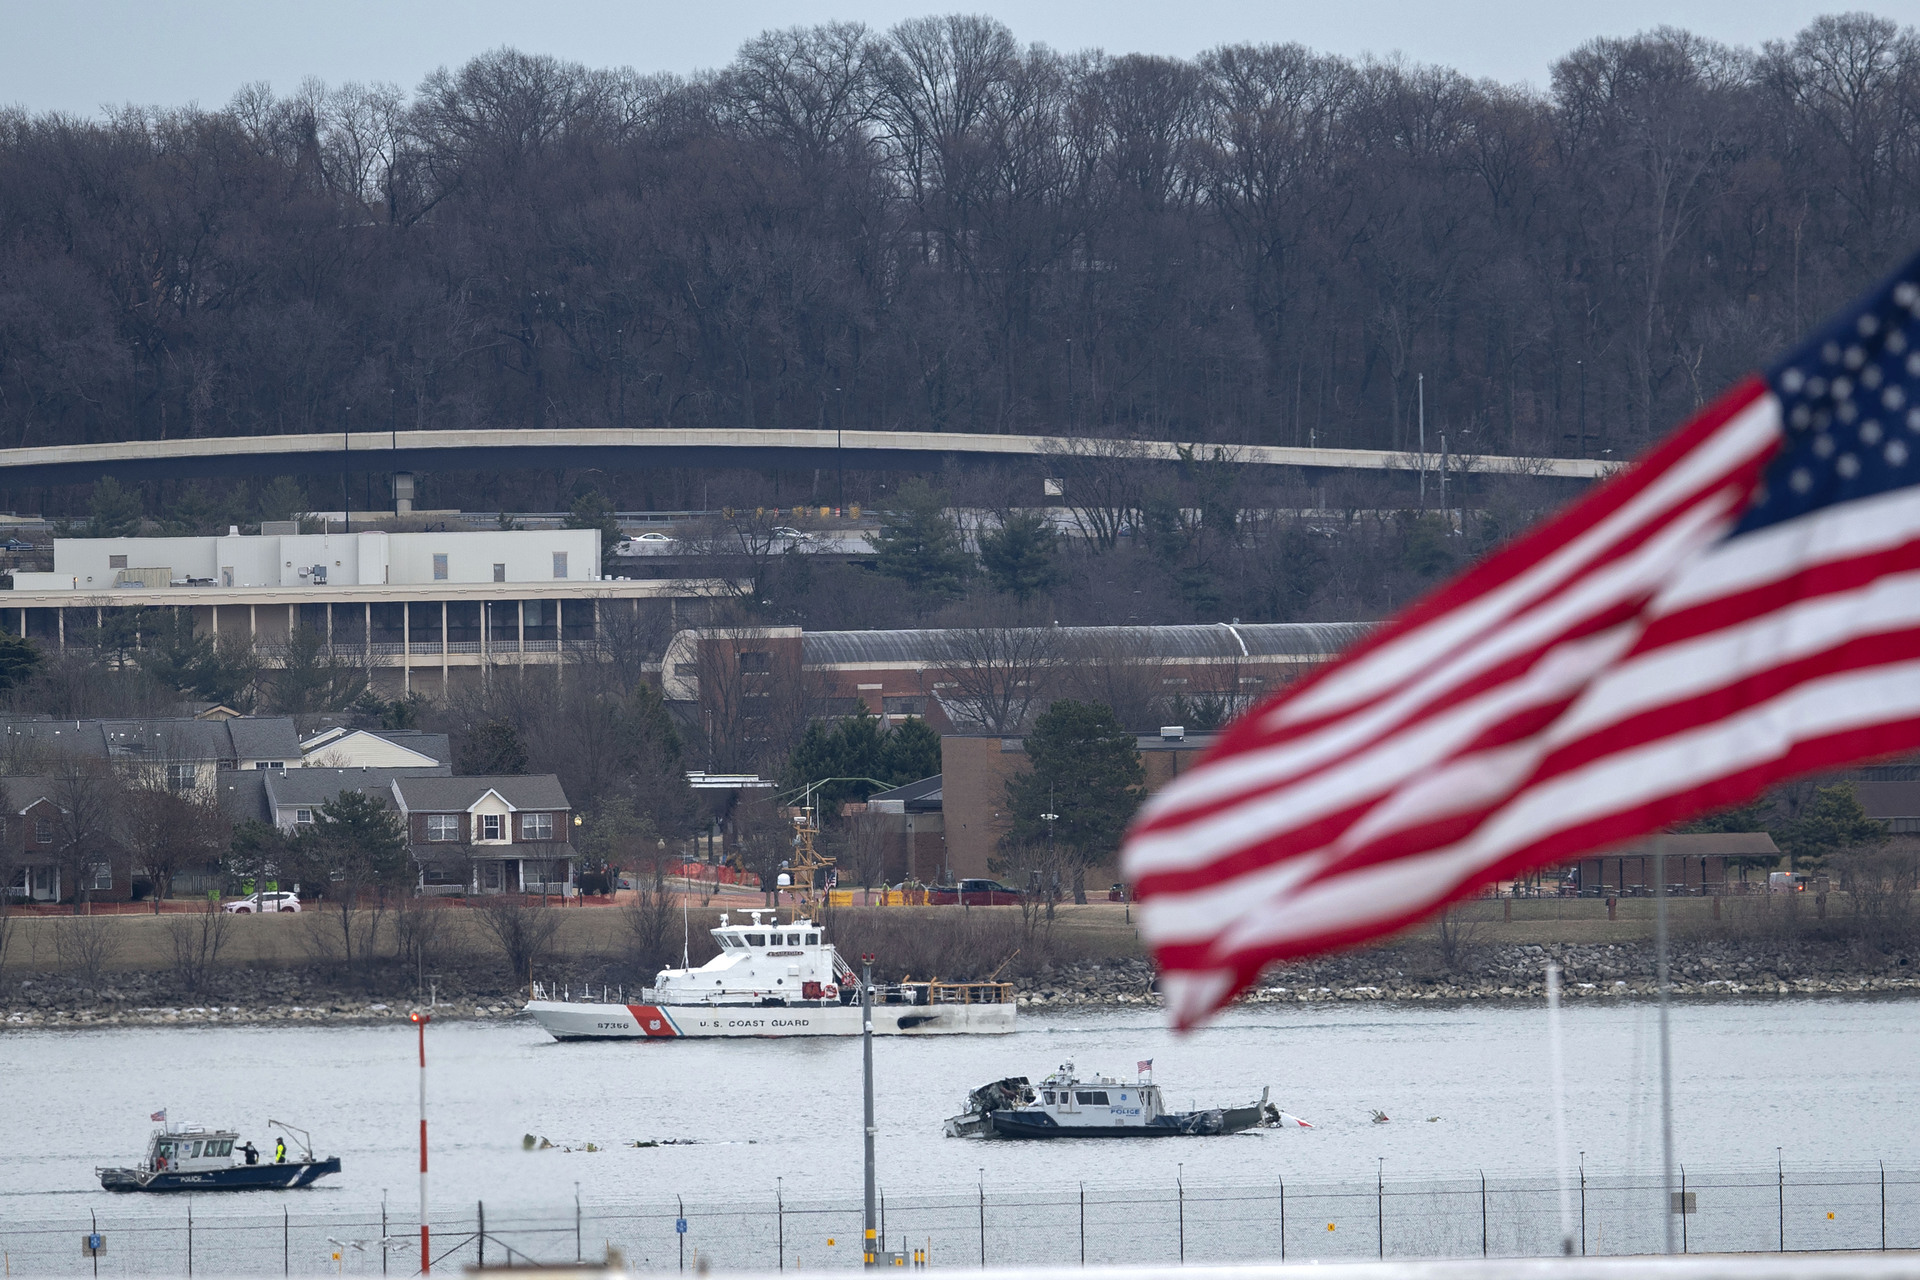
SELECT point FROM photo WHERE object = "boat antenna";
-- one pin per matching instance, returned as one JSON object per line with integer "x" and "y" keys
{"x": 306, "y": 1139}
{"x": 686, "y": 935}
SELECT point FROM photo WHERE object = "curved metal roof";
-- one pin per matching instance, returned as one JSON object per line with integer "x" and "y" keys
{"x": 1311, "y": 640}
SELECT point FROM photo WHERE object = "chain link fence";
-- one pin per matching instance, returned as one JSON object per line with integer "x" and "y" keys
{"x": 1854, "y": 1207}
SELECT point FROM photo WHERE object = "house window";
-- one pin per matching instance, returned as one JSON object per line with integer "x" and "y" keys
{"x": 758, "y": 660}
{"x": 116, "y": 562}
{"x": 99, "y": 876}
{"x": 559, "y": 564}
{"x": 499, "y": 573}
{"x": 42, "y": 831}
{"x": 303, "y": 817}
{"x": 440, "y": 567}
{"x": 270, "y": 764}
{"x": 904, "y": 706}
{"x": 490, "y": 826}
{"x": 536, "y": 826}
{"x": 443, "y": 827}
{"x": 182, "y": 777}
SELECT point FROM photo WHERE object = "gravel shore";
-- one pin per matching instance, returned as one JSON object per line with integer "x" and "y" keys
{"x": 1414, "y": 973}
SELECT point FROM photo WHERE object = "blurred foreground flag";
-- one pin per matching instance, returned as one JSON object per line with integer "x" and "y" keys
{"x": 1740, "y": 605}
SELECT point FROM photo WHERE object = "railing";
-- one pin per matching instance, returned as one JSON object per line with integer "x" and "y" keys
{"x": 541, "y": 646}
{"x": 1754, "y": 1210}
{"x": 463, "y": 646}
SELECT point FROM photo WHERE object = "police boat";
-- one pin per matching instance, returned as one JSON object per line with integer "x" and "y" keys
{"x": 191, "y": 1158}
{"x": 1066, "y": 1106}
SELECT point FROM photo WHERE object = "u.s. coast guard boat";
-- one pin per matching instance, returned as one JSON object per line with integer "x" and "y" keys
{"x": 774, "y": 979}
{"x": 1065, "y": 1106}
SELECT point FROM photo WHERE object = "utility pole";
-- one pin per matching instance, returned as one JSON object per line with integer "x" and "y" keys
{"x": 866, "y": 1037}
{"x": 421, "y": 1020}
{"x": 1421, "y": 384}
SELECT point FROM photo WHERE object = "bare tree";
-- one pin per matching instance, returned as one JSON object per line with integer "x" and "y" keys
{"x": 1104, "y": 485}
{"x": 87, "y": 795}
{"x": 522, "y": 931}
{"x": 167, "y": 831}
{"x": 87, "y": 946}
{"x": 997, "y": 677}
{"x": 196, "y": 940}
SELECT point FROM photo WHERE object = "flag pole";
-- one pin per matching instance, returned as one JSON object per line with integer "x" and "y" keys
{"x": 1666, "y": 1051}
{"x": 1557, "y": 1063}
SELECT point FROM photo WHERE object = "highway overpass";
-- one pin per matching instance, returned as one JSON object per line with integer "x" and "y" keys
{"x": 497, "y": 449}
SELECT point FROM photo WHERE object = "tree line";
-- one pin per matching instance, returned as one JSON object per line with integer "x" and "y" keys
{"x": 936, "y": 226}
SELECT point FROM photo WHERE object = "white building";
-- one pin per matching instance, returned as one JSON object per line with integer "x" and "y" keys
{"x": 373, "y": 558}
{"x": 408, "y": 605}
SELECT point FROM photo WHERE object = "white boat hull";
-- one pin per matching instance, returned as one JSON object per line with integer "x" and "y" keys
{"x": 570, "y": 1020}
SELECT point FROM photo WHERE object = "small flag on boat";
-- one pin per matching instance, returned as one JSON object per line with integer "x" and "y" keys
{"x": 1145, "y": 1065}
{"x": 160, "y": 1115}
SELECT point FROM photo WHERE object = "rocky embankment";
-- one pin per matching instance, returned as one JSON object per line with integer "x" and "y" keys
{"x": 1516, "y": 972}
{"x": 240, "y": 997}
{"x": 1719, "y": 969}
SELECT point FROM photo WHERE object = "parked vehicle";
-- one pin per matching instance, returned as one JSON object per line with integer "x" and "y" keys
{"x": 792, "y": 535}
{"x": 16, "y": 546}
{"x": 263, "y": 902}
{"x": 973, "y": 893}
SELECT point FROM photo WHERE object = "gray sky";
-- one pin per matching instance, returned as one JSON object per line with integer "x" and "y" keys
{"x": 78, "y": 55}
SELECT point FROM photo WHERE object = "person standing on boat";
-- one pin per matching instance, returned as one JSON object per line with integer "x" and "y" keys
{"x": 280, "y": 1150}
{"x": 251, "y": 1152}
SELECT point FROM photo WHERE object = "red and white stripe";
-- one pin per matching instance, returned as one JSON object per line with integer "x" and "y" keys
{"x": 1618, "y": 668}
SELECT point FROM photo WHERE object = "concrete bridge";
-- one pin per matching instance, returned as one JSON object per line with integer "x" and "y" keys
{"x": 616, "y": 449}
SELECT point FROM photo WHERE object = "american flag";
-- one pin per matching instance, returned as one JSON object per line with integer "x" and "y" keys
{"x": 161, "y": 1115}
{"x": 1143, "y": 1066}
{"x": 1739, "y": 606}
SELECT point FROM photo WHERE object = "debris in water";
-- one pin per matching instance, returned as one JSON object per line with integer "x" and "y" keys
{"x": 1380, "y": 1117}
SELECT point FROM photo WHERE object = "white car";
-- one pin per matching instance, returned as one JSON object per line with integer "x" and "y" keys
{"x": 263, "y": 902}
{"x": 643, "y": 544}
{"x": 795, "y": 535}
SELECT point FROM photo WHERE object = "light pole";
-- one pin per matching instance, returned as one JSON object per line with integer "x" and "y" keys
{"x": 866, "y": 1036}
{"x": 421, "y": 1020}
{"x": 1052, "y": 873}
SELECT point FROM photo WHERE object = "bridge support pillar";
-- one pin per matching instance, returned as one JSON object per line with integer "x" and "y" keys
{"x": 403, "y": 493}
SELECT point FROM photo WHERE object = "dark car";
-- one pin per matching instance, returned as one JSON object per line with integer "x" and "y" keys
{"x": 15, "y": 546}
{"x": 973, "y": 893}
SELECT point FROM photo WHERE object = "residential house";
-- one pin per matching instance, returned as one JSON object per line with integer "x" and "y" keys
{"x": 342, "y": 748}
{"x": 178, "y": 752}
{"x": 34, "y": 866}
{"x": 489, "y": 834}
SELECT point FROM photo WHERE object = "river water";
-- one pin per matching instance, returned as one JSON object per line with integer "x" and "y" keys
{"x": 1466, "y": 1089}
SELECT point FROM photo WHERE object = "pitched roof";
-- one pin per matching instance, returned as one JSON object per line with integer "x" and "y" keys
{"x": 163, "y": 737}
{"x": 923, "y": 796}
{"x": 1219, "y": 641}
{"x": 317, "y": 786}
{"x": 243, "y": 794}
{"x": 447, "y": 795}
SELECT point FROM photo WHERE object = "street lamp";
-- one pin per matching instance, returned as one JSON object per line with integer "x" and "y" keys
{"x": 421, "y": 1020}
{"x": 866, "y": 1036}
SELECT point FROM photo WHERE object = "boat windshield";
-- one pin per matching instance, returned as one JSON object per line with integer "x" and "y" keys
{"x": 756, "y": 939}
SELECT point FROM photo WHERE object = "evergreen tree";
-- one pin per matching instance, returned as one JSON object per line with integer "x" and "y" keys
{"x": 314, "y": 678}
{"x": 491, "y": 749}
{"x": 113, "y": 511}
{"x": 283, "y": 499}
{"x": 1086, "y": 769}
{"x": 19, "y": 658}
{"x": 919, "y": 545}
{"x": 1830, "y": 821}
{"x": 1021, "y": 556}
{"x": 910, "y": 752}
{"x": 591, "y": 510}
